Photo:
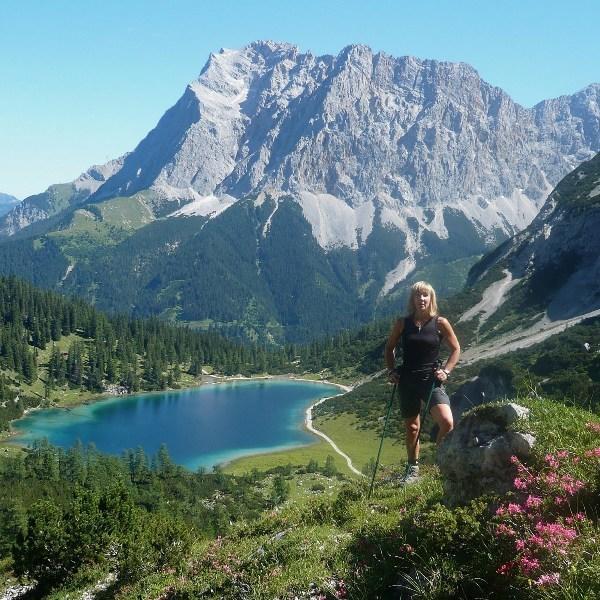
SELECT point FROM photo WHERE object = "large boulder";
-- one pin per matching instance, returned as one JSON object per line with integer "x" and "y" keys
{"x": 474, "y": 458}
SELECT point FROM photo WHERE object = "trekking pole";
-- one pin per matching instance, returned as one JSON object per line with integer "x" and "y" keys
{"x": 387, "y": 416}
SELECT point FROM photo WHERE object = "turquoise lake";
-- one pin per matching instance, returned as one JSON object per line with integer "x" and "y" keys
{"x": 201, "y": 427}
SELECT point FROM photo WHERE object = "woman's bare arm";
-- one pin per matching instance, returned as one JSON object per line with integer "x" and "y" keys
{"x": 450, "y": 338}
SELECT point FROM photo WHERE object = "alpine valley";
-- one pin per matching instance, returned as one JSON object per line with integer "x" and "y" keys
{"x": 287, "y": 194}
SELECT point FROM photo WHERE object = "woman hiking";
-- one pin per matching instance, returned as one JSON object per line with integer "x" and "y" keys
{"x": 421, "y": 333}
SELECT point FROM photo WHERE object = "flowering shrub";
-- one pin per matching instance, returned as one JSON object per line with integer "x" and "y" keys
{"x": 540, "y": 526}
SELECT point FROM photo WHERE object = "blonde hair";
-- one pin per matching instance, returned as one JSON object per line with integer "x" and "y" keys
{"x": 416, "y": 288}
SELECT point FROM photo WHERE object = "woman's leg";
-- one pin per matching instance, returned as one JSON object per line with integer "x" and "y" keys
{"x": 411, "y": 426}
{"x": 442, "y": 415}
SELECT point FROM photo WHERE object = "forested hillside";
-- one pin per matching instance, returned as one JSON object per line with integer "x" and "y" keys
{"x": 62, "y": 512}
{"x": 52, "y": 348}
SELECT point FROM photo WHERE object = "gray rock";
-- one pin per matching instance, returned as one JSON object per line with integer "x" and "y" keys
{"x": 512, "y": 412}
{"x": 57, "y": 197}
{"x": 474, "y": 458}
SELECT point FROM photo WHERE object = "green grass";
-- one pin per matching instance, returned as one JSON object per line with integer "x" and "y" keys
{"x": 317, "y": 541}
{"x": 298, "y": 457}
{"x": 361, "y": 445}
{"x": 401, "y": 536}
{"x": 85, "y": 234}
{"x": 126, "y": 213}
{"x": 102, "y": 225}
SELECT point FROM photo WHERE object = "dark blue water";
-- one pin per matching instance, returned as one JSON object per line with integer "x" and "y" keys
{"x": 201, "y": 427}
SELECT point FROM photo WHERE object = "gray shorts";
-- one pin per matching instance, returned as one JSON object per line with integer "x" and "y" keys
{"x": 414, "y": 392}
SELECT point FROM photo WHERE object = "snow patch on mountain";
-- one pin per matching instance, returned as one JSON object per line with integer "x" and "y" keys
{"x": 493, "y": 297}
{"x": 205, "y": 206}
{"x": 405, "y": 267}
{"x": 334, "y": 223}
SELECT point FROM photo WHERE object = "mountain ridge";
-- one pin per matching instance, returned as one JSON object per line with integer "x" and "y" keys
{"x": 237, "y": 90}
{"x": 378, "y": 169}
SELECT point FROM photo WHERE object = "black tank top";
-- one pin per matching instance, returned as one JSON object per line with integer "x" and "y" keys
{"x": 420, "y": 346}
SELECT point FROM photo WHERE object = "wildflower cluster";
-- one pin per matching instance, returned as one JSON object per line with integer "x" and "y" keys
{"x": 594, "y": 427}
{"x": 228, "y": 565}
{"x": 540, "y": 526}
{"x": 336, "y": 586}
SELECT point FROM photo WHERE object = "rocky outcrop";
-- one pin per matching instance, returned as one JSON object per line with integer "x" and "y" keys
{"x": 474, "y": 459}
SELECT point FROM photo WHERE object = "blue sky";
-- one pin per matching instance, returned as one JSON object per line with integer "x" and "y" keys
{"x": 84, "y": 81}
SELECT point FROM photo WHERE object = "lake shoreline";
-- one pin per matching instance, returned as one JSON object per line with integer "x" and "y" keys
{"x": 9, "y": 439}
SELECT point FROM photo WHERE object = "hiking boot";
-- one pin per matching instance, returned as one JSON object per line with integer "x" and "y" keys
{"x": 411, "y": 474}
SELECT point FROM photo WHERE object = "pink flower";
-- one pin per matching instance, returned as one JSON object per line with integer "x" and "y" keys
{"x": 595, "y": 453}
{"x": 536, "y": 540}
{"x": 520, "y": 545}
{"x": 533, "y": 501}
{"x": 520, "y": 484}
{"x": 528, "y": 564}
{"x": 595, "y": 427}
{"x": 570, "y": 485}
{"x": 514, "y": 509}
{"x": 514, "y": 460}
{"x": 548, "y": 579}
{"x": 562, "y": 454}
{"x": 555, "y": 534}
{"x": 500, "y": 511}
{"x": 551, "y": 460}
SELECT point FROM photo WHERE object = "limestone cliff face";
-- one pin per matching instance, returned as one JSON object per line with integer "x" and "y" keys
{"x": 412, "y": 137}
{"x": 362, "y": 142}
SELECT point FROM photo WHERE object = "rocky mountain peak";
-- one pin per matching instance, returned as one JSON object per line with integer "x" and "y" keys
{"x": 360, "y": 142}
